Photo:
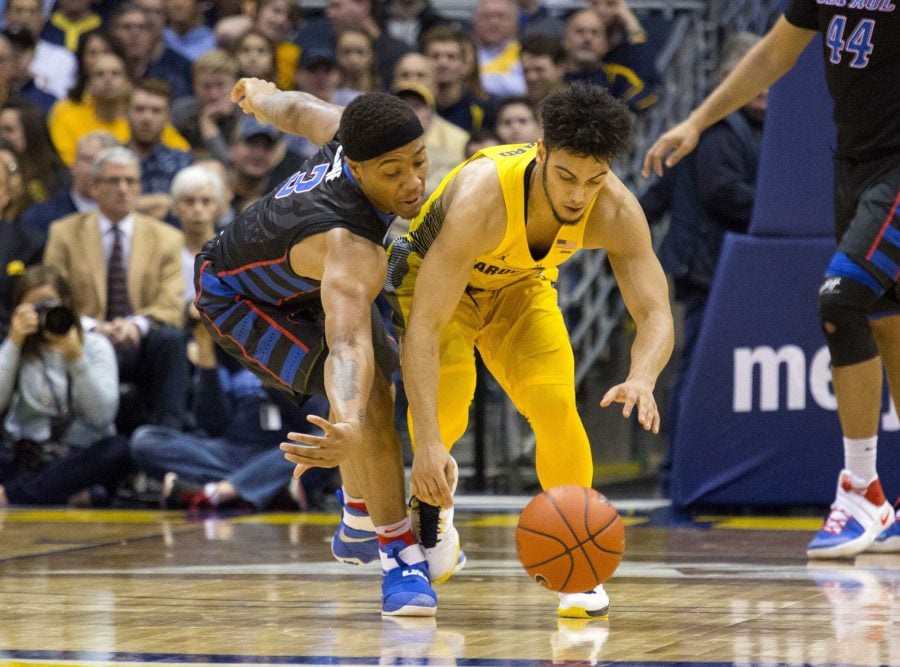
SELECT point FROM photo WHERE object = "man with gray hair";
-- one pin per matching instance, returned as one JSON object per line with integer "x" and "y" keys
{"x": 136, "y": 298}
{"x": 78, "y": 197}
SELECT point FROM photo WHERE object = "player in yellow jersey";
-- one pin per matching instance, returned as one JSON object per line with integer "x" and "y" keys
{"x": 477, "y": 270}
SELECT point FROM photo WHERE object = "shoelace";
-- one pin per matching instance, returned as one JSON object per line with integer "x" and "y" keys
{"x": 837, "y": 519}
{"x": 429, "y": 524}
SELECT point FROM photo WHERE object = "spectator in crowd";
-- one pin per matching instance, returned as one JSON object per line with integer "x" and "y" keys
{"x": 70, "y": 20}
{"x": 318, "y": 73}
{"x": 19, "y": 200}
{"x": 535, "y": 20}
{"x": 627, "y": 41}
{"x": 140, "y": 34}
{"x": 230, "y": 29}
{"x": 224, "y": 173}
{"x": 456, "y": 101}
{"x": 91, "y": 45}
{"x": 20, "y": 246}
{"x": 103, "y": 106}
{"x": 357, "y": 65}
{"x": 517, "y": 121}
{"x": 480, "y": 140}
{"x": 408, "y": 20}
{"x": 496, "y": 26}
{"x": 544, "y": 66}
{"x": 709, "y": 193}
{"x": 59, "y": 391}
{"x": 237, "y": 457}
{"x": 137, "y": 302}
{"x": 260, "y": 161}
{"x": 277, "y": 20}
{"x": 444, "y": 142}
{"x": 187, "y": 34}
{"x": 414, "y": 68}
{"x": 198, "y": 201}
{"x": 148, "y": 115}
{"x": 357, "y": 14}
{"x": 586, "y": 45}
{"x": 208, "y": 118}
{"x": 23, "y": 127}
{"x": 53, "y": 66}
{"x": 17, "y": 52}
{"x": 255, "y": 54}
{"x": 79, "y": 196}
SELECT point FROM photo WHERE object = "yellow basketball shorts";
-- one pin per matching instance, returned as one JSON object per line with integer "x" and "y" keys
{"x": 521, "y": 335}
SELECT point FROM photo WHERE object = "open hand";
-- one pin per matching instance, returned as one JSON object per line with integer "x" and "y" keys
{"x": 322, "y": 451}
{"x": 670, "y": 148}
{"x": 635, "y": 393}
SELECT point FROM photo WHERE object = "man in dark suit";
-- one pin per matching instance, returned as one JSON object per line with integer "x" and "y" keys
{"x": 125, "y": 273}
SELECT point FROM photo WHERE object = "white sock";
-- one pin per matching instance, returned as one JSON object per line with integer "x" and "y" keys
{"x": 859, "y": 457}
{"x": 211, "y": 491}
{"x": 353, "y": 517}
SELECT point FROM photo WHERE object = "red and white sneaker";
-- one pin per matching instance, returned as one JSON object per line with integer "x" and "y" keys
{"x": 858, "y": 515}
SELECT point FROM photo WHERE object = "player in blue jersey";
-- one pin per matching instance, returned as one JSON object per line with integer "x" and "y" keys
{"x": 288, "y": 289}
{"x": 859, "y": 298}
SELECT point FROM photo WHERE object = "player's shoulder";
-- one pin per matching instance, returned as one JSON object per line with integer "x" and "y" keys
{"x": 478, "y": 182}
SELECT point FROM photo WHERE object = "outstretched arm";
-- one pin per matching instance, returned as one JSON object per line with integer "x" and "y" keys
{"x": 643, "y": 286}
{"x": 288, "y": 110}
{"x": 353, "y": 276}
{"x": 763, "y": 65}
{"x": 440, "y": 284}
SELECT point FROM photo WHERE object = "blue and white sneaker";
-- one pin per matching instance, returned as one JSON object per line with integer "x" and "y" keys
{"x": 405, "y": 586}
{"x": 858, "y": 515}
{"x": 354, "y": 546}
{"x": 889, "y": 539}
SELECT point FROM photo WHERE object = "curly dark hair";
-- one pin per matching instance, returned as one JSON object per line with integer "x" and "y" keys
{"x": 374, "y": 119}
{"x": 586, "y": 121}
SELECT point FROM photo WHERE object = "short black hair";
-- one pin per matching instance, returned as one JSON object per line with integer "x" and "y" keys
{"x": 373, "y": 120}
{"x": 543, "y": 45}
{"x": 586, "y": 121}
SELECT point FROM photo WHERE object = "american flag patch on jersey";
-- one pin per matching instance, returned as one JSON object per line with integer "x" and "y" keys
{"x": 566, "y": 244}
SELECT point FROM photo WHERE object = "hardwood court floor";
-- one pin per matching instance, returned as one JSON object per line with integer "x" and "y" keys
{"x": 127, "y": 587}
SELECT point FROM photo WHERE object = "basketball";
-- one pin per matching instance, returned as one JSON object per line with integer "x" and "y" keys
{"x": 569, "y": 539}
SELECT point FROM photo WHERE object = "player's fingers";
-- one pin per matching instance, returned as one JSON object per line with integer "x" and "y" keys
{"x": 299, "y": 469}
{"x": 628, "y": 404}
{"x": 648, "y": 160}
{"x": 609, "y": 397}
{"x": 675, "y": 156}
{"x": 442, "y": 492}
{"x": 656, "y": 421}
{"x": 306, "y": 439}
{"x": 322, "y": 423}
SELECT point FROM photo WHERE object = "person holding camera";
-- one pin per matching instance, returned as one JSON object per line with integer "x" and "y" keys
{"x": 59, "y": 388}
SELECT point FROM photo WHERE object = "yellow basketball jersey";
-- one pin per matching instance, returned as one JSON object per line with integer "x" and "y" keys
{"x": 511, "y": 260}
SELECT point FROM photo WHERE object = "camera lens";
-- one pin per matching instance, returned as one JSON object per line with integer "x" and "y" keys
{"x": 57, "y": 320}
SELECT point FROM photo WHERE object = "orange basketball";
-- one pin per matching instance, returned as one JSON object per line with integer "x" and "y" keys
{"x": 569, "y": 539}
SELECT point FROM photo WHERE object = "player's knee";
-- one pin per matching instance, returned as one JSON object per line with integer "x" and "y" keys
{"x": 844, "y": 306}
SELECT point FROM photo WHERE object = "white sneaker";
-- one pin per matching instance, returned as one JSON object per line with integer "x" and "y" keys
{"x": 592, "y": 604}
{"x": 434, "y": 529}
{"x": 858, "y": 515}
